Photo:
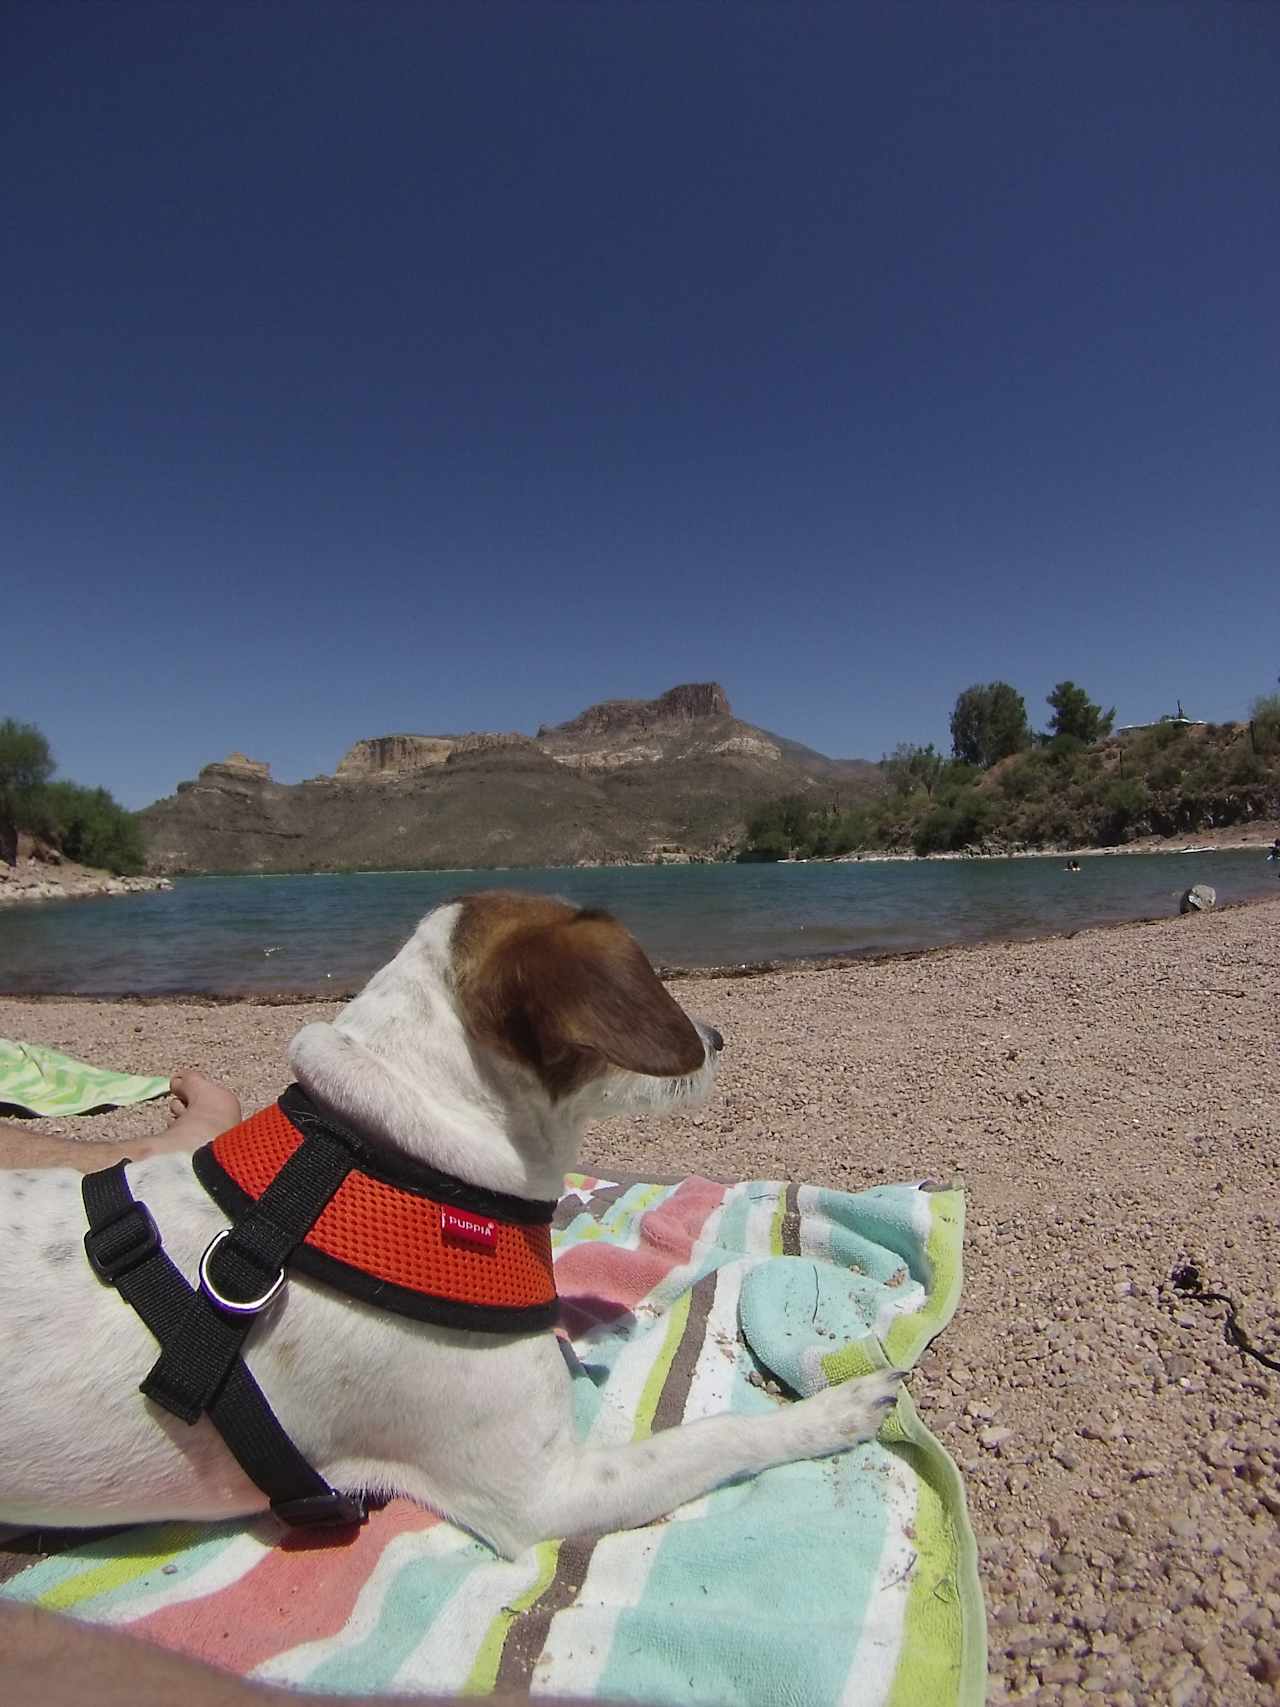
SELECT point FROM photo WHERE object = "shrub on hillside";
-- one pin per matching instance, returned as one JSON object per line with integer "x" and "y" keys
{"x": 1124, "y": 804}
{"x": 1264, "y": 716}
{"x": 1247, "y": 767}
{"x": 1166, "y": 735}
{"x": 1168, "y": 774}
{"x": 963, "y": 820}
{"x": 1027, "y": 779}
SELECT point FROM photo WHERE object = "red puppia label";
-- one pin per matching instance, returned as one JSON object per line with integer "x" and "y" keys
{"x": 462, "y": 1228}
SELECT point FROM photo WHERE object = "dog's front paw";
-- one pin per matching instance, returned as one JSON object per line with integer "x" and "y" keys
{"x": 841, "y": 1416}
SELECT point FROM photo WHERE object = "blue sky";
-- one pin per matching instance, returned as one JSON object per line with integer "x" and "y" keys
{"x": 379, "y": 366}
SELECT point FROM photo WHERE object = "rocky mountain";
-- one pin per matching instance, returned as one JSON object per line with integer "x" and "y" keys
{"x": 626, "y": 781}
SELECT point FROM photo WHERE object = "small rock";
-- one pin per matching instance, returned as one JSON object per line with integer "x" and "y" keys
{"x": 1200, "y": 898}
{"x": 992, "y": 1438}
{"x": 1213, "y": 1662}
{"x": 1061, "y": 1671}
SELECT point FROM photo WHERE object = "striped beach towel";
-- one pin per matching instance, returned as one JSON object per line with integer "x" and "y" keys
{"x": 36, "y": 1080}
{"x": 848, "y": 1580}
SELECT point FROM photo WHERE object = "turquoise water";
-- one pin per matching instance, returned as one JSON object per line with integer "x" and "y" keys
{"x": 328, "y": 932}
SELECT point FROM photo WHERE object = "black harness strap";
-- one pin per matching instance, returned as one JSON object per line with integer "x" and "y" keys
{"x": 124, "y": 1250}
{"x": 240, "y": 1274}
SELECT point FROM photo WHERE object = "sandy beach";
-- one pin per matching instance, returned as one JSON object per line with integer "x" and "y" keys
{"x": 1111, "y": 1101}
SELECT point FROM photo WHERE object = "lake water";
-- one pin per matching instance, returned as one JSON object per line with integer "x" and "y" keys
{"x": 328, "y": 932}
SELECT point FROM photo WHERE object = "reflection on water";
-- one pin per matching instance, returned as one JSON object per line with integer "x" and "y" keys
{"x": 330, "y": 931}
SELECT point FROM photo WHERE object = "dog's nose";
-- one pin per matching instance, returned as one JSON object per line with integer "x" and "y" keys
{"x": 714, "y": 1038}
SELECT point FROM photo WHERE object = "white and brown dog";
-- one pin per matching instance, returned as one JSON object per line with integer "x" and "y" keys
{"x": 503, "y": 1027}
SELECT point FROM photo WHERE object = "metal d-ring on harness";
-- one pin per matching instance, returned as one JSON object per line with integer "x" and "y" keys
{"x": 200, "y": 1371}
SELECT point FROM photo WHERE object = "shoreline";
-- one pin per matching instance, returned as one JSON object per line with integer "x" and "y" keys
{"x": 1234, "y": 839}
{"x": 32, "y": 882}
{"x": 728, "y": 972}
{"x": 1239, "y": 838}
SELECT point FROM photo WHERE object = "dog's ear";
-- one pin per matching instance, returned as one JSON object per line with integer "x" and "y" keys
{"x": 581, "y": 991}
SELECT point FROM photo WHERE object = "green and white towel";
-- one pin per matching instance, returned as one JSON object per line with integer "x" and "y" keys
{"x": 36, "y": 1080}
{"x": 843, "y": 1582}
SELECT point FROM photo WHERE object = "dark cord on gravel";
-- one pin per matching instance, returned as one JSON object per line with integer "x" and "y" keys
{"x": 1186, "y": 1281}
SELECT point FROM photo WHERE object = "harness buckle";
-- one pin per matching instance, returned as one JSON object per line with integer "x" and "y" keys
{"x": 312, "y": 1510}
{"x": 118, "y": 1246}
{"x": 234, "y": 1306}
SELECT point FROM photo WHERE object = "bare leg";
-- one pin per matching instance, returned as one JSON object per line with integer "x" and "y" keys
{"x": 206, "y": 1109}
{"x": 60, "y": 1663}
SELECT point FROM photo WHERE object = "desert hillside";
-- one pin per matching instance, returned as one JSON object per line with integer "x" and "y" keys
{"x": 666, "y": 779}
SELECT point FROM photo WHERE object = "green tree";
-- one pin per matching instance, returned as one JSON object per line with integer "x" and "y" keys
{"x": 989, "y": 723}
{"x": 1075, "y": 714}
{"x": 87, "y": 824}
{"x": 91, "y": 827}
{"x": 781, "y": 828}
{"x": 26, "y": 764}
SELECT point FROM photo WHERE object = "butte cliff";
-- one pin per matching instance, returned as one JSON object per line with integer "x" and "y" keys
{"x": 626, "y": 781}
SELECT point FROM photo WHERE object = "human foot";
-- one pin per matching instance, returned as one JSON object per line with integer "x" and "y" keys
{"x": 208, "y": 1108}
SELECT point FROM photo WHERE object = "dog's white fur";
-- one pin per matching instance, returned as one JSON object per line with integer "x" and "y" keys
{"x": 477, "y": 1426}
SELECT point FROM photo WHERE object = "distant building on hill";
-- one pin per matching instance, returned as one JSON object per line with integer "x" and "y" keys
{"x": 1178, "y": 716}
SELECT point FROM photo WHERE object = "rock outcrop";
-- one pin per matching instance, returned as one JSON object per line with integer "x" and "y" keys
{"x": 687, "y": 704}
{"x": 396, "y": 755}
{"x": 392, "y": 755}
{"x": 236, "y": 764}
{"x": 233, "y": 769}
{"x": 627, "y": 781}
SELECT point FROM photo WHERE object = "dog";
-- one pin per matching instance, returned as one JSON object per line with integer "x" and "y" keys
{"x": 484, "y": 1049}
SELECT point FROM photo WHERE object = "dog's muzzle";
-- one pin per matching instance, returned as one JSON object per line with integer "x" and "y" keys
{"x": 710, "y": 1036}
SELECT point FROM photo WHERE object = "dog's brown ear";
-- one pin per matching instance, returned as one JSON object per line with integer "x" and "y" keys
{"x": 583, "y": 991}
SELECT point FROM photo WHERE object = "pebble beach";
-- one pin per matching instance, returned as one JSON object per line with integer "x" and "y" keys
{"x": 1111, "y": 1102}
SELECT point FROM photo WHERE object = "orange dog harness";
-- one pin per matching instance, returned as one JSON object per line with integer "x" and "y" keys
{"x": 396, "y": 1233}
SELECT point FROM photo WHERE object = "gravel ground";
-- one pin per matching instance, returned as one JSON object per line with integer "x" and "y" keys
{"x": 1112, "y": 1103}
